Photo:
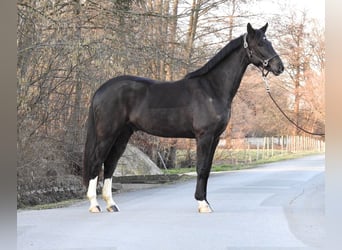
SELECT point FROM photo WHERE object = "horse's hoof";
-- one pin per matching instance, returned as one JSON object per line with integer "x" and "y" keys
{"x": 205, "y": 210}
{"x": 204, "y": 207}
{"x": 95, "y": 209}
{"x": 113, "y": 208}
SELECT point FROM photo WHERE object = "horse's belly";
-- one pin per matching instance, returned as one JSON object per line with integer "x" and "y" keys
{"x": 165, "y": 122}
{"x": 166, "y": 132}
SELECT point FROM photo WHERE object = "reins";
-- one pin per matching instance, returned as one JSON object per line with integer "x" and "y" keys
{"x": 268, "y": 91}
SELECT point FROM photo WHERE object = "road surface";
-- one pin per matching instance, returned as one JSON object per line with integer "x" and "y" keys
{"x": 275, "y": 206}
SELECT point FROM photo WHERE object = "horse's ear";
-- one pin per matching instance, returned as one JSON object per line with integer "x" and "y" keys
{"x": 250, "y": 29}
{"x": 263, "y": 29}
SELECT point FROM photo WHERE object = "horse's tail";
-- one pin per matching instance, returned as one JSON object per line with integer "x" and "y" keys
{"x": 89, "y": 148}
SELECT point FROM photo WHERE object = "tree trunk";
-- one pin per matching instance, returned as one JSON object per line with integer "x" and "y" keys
{"x": 196, "y": 5}
{"x": 75, "y": 138}
{"x": 172, "y": 42}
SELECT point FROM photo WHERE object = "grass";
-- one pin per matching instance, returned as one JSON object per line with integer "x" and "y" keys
{"x": 60, "y": 204}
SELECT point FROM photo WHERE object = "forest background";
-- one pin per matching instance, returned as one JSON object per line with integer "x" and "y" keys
{"x": 67, "y": 49}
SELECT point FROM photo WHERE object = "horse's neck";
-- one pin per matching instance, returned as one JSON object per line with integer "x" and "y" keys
{"x": 227, "y": 75}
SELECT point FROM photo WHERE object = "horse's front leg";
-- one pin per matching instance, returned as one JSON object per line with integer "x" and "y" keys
{"x": 206, "y": 146}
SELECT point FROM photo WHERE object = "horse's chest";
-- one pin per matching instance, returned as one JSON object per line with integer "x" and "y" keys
{"x": 212, "y": 114}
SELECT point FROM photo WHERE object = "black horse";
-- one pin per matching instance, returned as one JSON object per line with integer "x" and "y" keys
{"x": 197, "y": 106}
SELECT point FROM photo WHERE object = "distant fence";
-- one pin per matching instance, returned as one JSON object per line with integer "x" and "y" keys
{"x": 287, "y": 143}
{"x": 248, "y": 150}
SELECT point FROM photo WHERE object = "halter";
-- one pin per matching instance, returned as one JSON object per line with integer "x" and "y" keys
{"x": 250, "y": 54}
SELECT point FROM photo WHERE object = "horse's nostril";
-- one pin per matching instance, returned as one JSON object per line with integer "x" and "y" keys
{"x": 281, "y": 68}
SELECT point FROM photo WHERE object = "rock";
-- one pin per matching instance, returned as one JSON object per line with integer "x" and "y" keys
{"x": 135, "y": 162}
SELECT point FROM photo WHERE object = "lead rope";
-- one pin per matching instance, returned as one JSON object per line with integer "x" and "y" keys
{"x": 268, "y": 91}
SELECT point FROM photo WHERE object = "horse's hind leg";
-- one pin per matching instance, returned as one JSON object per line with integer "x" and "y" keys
{"x": 109, "y": 167}
{"x": 91, "y": 194}
{"x": 97, "y": 158}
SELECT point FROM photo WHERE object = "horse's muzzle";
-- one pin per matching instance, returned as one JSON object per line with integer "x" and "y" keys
{"x": 276, "y": 66}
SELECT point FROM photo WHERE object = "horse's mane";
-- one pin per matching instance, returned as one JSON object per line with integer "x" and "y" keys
{"x": 221, "y": 55}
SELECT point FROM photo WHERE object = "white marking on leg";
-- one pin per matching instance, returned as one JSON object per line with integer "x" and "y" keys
{"x": 107, "y": 196}
{"x": 204, "y": 207}
{"x": 91, "y": 194}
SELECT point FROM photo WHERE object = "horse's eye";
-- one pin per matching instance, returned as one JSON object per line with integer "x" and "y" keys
{"x": 262, "y": 42}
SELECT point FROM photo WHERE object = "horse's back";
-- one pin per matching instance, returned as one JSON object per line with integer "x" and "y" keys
{"x": 120, "y": 90}
{"x": 125, "y": 81}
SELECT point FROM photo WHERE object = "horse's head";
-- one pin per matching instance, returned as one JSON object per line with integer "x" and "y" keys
{"x": 260, "y": 51}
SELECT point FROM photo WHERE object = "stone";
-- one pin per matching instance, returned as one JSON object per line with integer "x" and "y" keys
{"x": 135, "y": 162}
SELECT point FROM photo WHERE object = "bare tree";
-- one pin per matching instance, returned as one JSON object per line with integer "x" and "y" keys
{"x": 304, "y": 54}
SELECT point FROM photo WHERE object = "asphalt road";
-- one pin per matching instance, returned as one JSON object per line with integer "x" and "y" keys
{"x": 275, "y": 206}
